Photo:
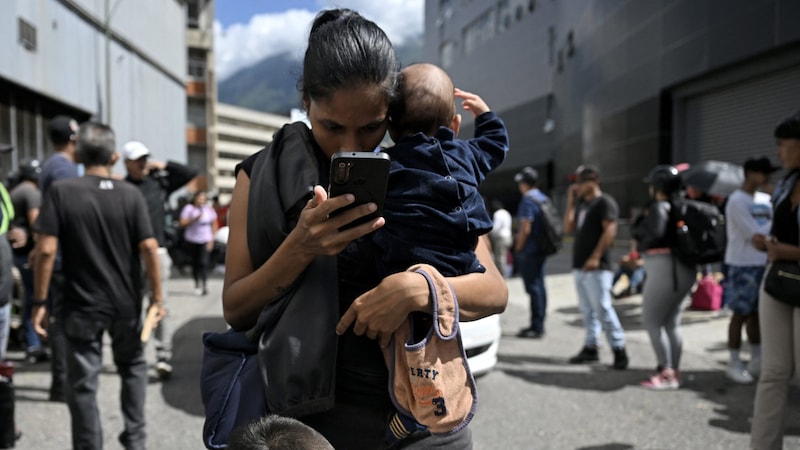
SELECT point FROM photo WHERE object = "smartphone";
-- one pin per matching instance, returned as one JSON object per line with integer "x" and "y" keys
{"x": 363, "y": 174}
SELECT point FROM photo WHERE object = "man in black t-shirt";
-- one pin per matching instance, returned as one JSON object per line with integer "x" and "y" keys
{"x": 592, "y": 215}
{"x": 156, "y": 181}
{"x": 104, "y": 237}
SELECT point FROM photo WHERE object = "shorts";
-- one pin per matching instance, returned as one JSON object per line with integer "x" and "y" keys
{"x": 741, "y": 289}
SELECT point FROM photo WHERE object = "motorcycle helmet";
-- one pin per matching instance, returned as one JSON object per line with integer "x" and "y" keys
{"x": 664, "y": 178}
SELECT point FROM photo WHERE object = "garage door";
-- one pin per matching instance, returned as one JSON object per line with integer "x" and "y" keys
{"x": 736, "y": 121}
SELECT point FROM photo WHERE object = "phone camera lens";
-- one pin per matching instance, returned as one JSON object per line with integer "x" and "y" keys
{"x": 342, "y": 173}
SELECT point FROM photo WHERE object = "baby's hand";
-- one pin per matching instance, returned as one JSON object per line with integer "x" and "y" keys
{"x": 472, "y": 102}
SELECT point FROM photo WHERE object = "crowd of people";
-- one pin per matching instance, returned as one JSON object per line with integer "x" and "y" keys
{"x": 87, "y": 265}
{"x": 761, "y": 228}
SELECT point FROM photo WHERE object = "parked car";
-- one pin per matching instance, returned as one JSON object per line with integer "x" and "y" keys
{"x": 481, "y": 339}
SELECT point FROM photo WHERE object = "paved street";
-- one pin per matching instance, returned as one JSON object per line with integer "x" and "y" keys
{"x": 533, "y": 400}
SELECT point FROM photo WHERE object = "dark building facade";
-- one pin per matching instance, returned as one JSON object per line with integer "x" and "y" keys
{"x": 622, "y": 84}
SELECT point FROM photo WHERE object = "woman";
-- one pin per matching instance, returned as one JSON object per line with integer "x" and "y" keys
{"x": 662, "y": 295}
{"x": 199, "y": 222}
{"x": 779, "y": 322}
{"x": 348, "y": 82}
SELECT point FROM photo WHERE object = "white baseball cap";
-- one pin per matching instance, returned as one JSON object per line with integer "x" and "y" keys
{"x": 134, "y": 150}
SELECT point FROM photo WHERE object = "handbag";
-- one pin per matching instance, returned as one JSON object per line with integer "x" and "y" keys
{"x": 230, "y": 385}
{"x": 782, "y": 282}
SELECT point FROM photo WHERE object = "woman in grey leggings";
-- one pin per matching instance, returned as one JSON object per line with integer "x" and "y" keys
{"x": 668, "y": 279}
{"x": 661, "y": 313}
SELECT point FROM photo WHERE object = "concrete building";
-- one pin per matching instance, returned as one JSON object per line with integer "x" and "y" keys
{"x": 122, "y": 62}
{"x": 201, "y": 92}
{"x": 240, "y": 132}
{"x": 622, "y": 84}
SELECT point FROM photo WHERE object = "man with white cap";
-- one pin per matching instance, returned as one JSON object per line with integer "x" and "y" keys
{"x": 157, "y": 180}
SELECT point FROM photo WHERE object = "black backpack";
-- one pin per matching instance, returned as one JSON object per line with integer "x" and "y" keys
{"x": 550, "y": 239}
{"x": 700, "y": 231}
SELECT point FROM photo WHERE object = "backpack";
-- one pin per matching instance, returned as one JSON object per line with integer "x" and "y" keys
{"x": 550, "y": 238}
{"x": 700, "y": 232}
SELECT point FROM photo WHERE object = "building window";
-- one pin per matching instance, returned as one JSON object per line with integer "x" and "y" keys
{"x": 531, "y": 5}
{"x": 570, "y": 44}
{"x": 196, "y": 61}
{"x": 27, "y": 34}
{"x": 503, "y": 15}
{"x": 446, "y": 8}
{"x": 447, "y": 53}
{"x": 479, "y": 31}
{"x": 193, "y": 14}
{"x": 509, "y": 11}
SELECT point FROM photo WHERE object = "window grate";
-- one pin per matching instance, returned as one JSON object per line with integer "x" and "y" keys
{"x": 27, "y": 34}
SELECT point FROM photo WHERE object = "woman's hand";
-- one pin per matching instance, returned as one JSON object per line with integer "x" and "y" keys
{"x": 777, "y": 250}
{"x": 317, "y": 233}
{"x": 379, "y": 312}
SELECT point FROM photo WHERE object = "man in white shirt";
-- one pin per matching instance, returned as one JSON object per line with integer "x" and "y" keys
{"x": 748, "y": 218}
{"x": 500, "y": 235}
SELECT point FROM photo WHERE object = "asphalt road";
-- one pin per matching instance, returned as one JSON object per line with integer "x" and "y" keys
{"x": 532, "y": 400}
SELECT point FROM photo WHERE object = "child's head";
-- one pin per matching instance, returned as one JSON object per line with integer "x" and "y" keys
{"x": 427, "y": 101}
{"x": 277, "y": 432}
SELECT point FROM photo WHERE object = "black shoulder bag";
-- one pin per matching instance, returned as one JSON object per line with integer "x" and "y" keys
{"x": 782, "y": 282}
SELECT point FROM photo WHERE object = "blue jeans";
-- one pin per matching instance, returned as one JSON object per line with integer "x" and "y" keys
{"x": 594, "y": 297}
{"x": 5, "y": 324}
{"x": 531, "y": 267}
{"x": 32, "y": 341}
{"x": 635, "y": 277}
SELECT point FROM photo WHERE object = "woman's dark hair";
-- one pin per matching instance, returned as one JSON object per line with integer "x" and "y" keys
{"x": 198, "y": 194}
{"x": 96, "y": 144}
{"x": 345, "y": 50}
{"x": 789, "y": 128}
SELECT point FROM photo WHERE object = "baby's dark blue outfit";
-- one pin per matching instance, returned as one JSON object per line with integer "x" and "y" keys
{"x": 434, "y": 212}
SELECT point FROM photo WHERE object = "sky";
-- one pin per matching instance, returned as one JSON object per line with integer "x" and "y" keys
{"x": 247, "y": 31}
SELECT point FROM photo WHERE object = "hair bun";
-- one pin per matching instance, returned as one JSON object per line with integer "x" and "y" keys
{"x": 331, "y": 15}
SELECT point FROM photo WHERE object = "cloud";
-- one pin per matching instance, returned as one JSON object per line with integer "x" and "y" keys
{"x": 241, "y": 45}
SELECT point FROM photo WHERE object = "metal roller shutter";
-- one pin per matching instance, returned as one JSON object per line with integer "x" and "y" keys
{"x": 736, "y": 121}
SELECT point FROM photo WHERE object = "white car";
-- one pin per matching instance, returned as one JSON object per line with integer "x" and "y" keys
{"x": 481, "y": 339}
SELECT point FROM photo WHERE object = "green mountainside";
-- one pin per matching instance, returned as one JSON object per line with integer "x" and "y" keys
{"x": 270, "y": 85}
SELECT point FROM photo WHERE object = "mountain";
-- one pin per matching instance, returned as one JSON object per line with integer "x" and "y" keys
{"x": 270, "y": 85}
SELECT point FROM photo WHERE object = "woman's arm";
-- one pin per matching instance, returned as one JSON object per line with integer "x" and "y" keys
{"x": 246, "y": 289}
{"x": 380, "y": 311}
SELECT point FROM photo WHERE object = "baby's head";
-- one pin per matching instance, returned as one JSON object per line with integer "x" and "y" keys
{"x": 427, "y": 101}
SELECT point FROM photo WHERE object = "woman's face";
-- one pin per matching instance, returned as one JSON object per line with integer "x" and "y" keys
{"x": 200, "y": 199}
{"x": 351, "y": 120}
{"x": 789, "y": 153}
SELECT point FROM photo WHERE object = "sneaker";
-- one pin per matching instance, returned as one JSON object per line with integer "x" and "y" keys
{"x": 666, "y": 380}
{"x": 530, "y": 333}
{"x": 164, "y": 369}
{"x": 754, "y": 367}
{"x": 738, "y": 374}
{"x": 36, "y": 355}
{"x": 620, "y": 359}
{"x": 586, "y": 355}
{"x": 204, "y": 291}
{"x": 198, "y": 292}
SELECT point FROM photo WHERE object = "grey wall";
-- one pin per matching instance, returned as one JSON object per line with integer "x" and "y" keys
{"x": 66, "y": 73}
{"x": 613, "y": 94}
